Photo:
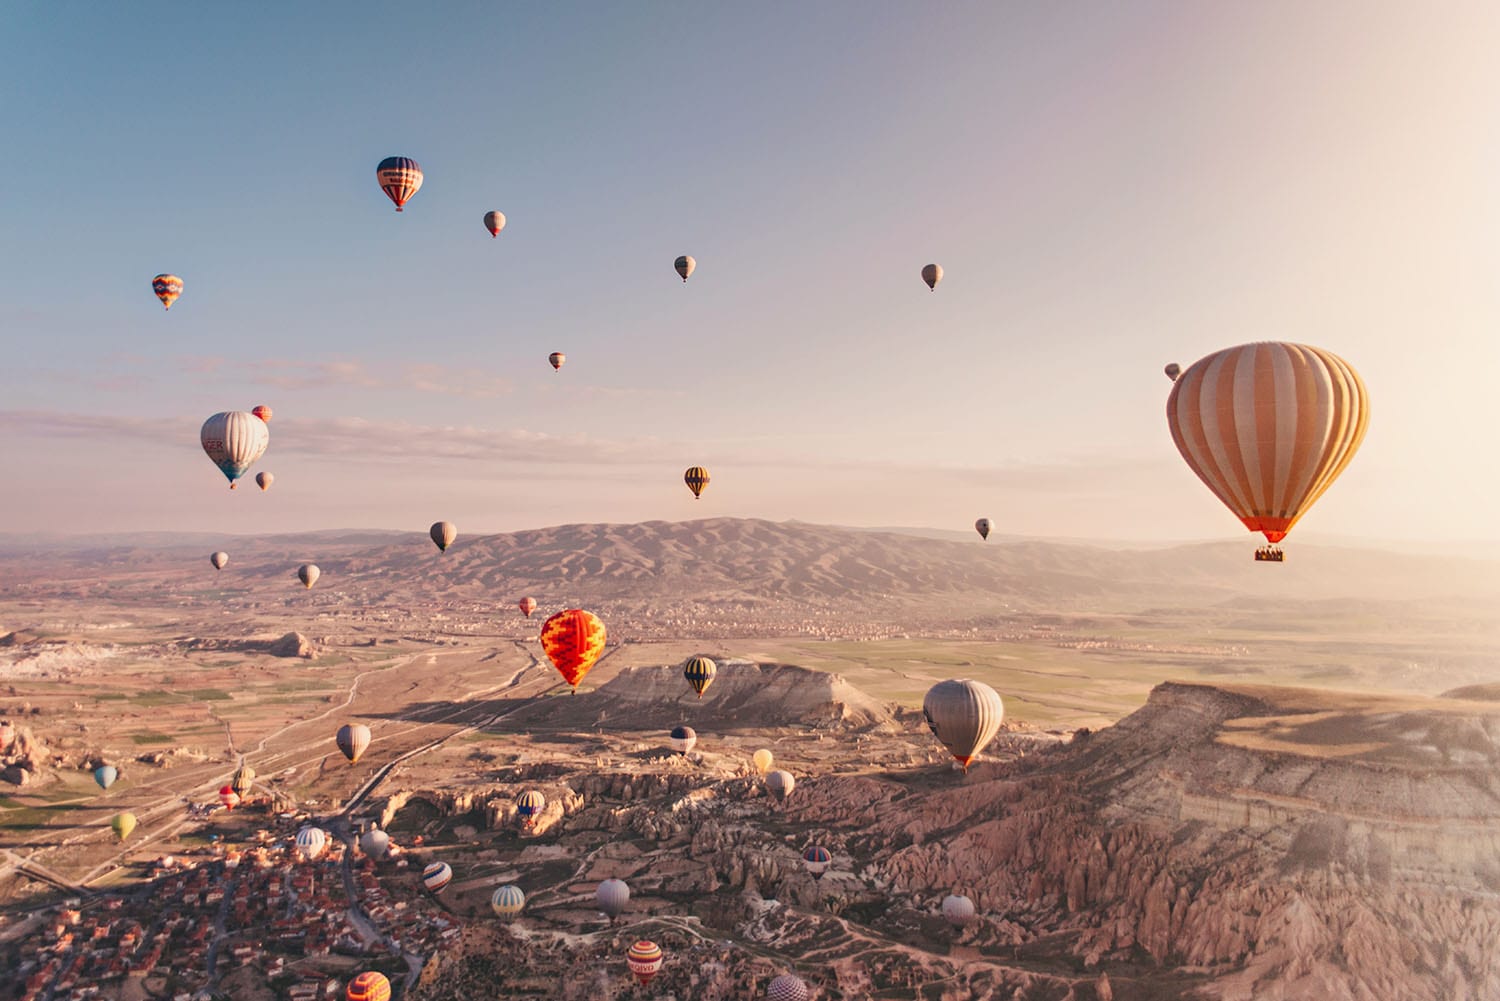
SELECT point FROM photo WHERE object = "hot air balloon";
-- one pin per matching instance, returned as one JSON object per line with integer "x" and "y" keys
{"x": 308, "y": 574}
{"x": 219, "y": 560}
{"x": 612, "y": 896}
{"x": 557, "y": 358}
{"x": 817, "y": 861}
{"x": 787, "y": 988}
{"x": 683, "y": 738}
{"x": 122, "y": 825}
{"x": 527, "y": 606}
{"x": 932, "y": 274}
{"x": 982, "y": 526}
{"x": 443, "y": 533}
{"x": 699, "y": 672}
{"x": 375, "y": 843}
{"x": 494, "y": 222}
{"x": 311, "y": 841}
{"x": 958, "y": 909}
{"x": 263, "y": 412}
{"x": 167, "y": 289}
{"x": 696, "y": 479}
{"x": 965, "y": 715}
{"x": 763, "y": 760}
{"x": 244, "y": 779}
{"x": 684, "y": 266}
{"x": 1268, "y": 427}
{"x": 229, "y": 797}
{"x": 573, "y": 639}
{"x": 530, "y": 805}
{"x": 507, "y": 901}
{"x": 436, "y": 876}
{"x": 105, "y": 775}
{"x": 1173, "y": 370}
{"x": 234, "y": 440}
{"x": 352, "y": 740}
{"x": 644, "y": 960}
{"x": 781, "y": 784}
{"x": 264, "y": 480}
{"x": 369, "y": 986}
{"x": 399, "y": 178}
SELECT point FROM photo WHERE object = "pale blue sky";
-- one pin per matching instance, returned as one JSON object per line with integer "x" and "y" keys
{"x": 1109, "y": 187}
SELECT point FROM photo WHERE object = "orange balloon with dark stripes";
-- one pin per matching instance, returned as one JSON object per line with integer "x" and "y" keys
{"x": 573, "y": 640}
{"x": 369, "y": 986}
{"x": 1268, "y": 427}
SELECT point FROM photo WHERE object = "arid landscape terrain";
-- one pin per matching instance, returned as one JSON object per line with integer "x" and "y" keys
{"x": 1216, "y": 779}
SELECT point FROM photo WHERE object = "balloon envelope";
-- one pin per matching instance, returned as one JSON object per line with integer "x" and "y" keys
{"x": 399, "y": 177}
{"x": 219, "y": 560}
{"x": 375, "y": 843}
{"x": 437, "y": 875}
{"x": 557, "y": 358}
{"x": 699, "y": 672}
{"x": 352, "y": 739}
{"x": 1268, "y": 427}
{"x": 958, "y": 909}
{"x": 264, "y": 480}
{"x": 443, "y": 533}
{"x": 308, "y": 574}
{"x": 683, "y": 739}
{"x": 684, "y": 266}
{"x": 696, "y": 479}
{"x": 263, "y": 412}
{"x": 311, "y": 841}
{"x": 932, "y": 274}
{"x": 527, "y": 606}
{"x": 167, "y": 289}
{"x": 644, "y": 959}
{"x": 573, "y": 640}
{"x": 369, "y": 986}
{"x": 964, "y": 715}
{"x": 982, "y": 526}
{"x": 234, "y": 440}
{"x": 494, "y": 222}
{"x": 229, "y": 797}
{"x": 244, "y": 779}
{"x": 507, "y": 901}
{"x": 781, "y": 784}
{"x": 122, "y": 825}
{"x": 817, "y": 860}
{"x": 105, "y": 775}
{"x": 1173, "y": 370}
{"x": 530, "y": 805}
{"x": 763, "y": 760}
{"x": 787, "y": 988}
{"x": 612, "y": 896}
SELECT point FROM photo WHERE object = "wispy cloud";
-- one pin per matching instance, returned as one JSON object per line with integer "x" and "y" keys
{"x": 353, "y": 374}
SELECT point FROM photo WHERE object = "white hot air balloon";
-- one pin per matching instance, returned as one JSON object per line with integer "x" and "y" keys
{"x": 311, "y": 841}
{"x": 965, "y": 715}
{"x": 781, "y": 783}
{"x": 219, "y": 560}
{"x": 375, "y": 843}
{"x": 235, "y": 440}
{"x": 958, "y": 909}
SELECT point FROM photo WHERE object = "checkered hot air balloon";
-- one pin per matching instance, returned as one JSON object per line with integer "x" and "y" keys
{"x": 787, "y": 988}
{"x": 573, "y": 640}
{"x": 436, "y": 876}
{"x": 699, "y": 672}
{"x": 369, "y": 986}
{"x": 644, "y": 960}
{"x": 400, "y": 177}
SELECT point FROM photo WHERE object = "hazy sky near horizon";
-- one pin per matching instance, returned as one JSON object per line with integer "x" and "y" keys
{"x": 1108, "y": 187}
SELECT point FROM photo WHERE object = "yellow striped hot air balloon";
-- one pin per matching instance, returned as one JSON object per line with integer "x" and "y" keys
{"x": 644, "y": 960}
{"x": 696, "y": 479}
{"x": 699, "y": 672}
{"x": 1268, "y": 427}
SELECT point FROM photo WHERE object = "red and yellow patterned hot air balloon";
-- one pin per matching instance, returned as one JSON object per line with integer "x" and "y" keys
{"x": 229, "y": 797}
{"x": 1268, "y": 427}
{"x": 573, "y": 639}
{"x": 644, "y": 960}
{"x": 263, "y": 412}
{"x": 167, "y": 289}
{"x": 369, "y": 986}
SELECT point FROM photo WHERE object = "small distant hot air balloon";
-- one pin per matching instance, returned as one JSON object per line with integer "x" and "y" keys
{"x": 234, "y": 440}
{"x": 311, "y": 841}
{"x": 264, "y": 480}
{"x": 244, "y": 779}
{"x": 229, "y": 797}
{"x": 443, "y": 533}
{"x": 369, "y": 986}
{"x": 557, "y": 358}
{"x": 308, "y": 574}
{"x": 684, "y": 266}
{"x": 530, "y": 805}
{"x": 494, "y": 222}
{"x": 527, "y": 606}
{"x": 507, "y": 901}
{"x": 612, "y": 896}
{"x": 781, "y": 784}
{"x": 219, "y": 560}
{"x": 105, "y": 775}
{"x": 263, "y": 412}
{"x": 375, "y": 843}
{"x": 932, "y": 274}
{"x": 683, "y": 738}
{"x": 644, "y": 960}
{"x": 982, "y": 526}
{"x": 964, "y": 715}
{"x": 167, "y": 289}
{"x": 787, "y": 988}
{"x": 763, "y": 760}
{"x": 122, "y": 825}
{"x": 699, "y": 672}
{"x": 352, "y": 739}
{"x": 1268, "y": 427}
{"x": 436, "y": 876}
{"x": 696, "y": 479}
{"x": 1173, "y": 370}
{"x": 958, "y": 909}
{"x": 400, "y": 177}
{"x": 817, "y": 860}
{"x": 573, "y": 640}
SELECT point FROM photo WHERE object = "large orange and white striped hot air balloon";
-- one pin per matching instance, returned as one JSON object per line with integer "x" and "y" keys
{"x": 1268, "y": 427}
{"x": 573, "y": 639}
